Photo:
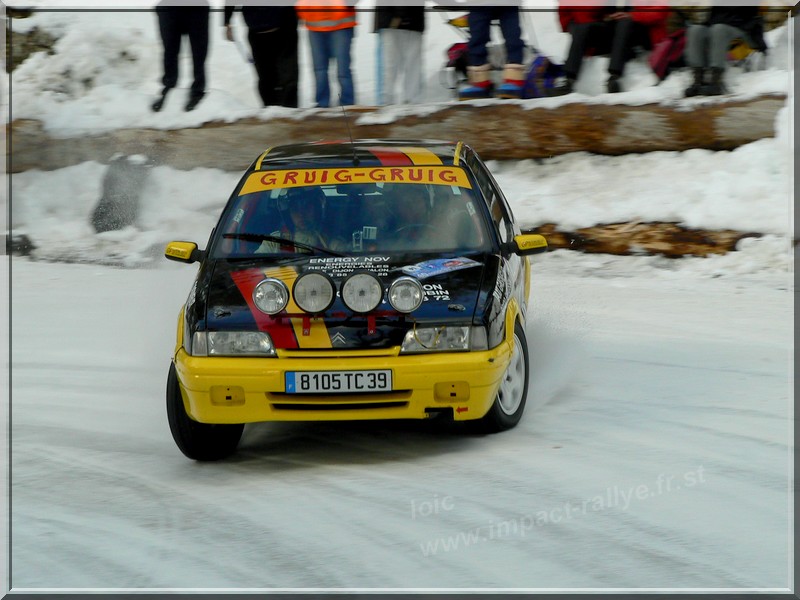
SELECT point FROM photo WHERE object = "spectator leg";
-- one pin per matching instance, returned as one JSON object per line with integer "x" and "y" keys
{"x": 342, "y": 42}
{"x": 627, "y": 34}
{"x": 287, "y": 67}
{"x": 198, "y": 38}
{"x": 392, "y": 51}
{"x": 413, "y": 67}
{"x": 696, "y": 51}
{"x": 585, "y": 36}
{"x": 512, "y": 34}
{"x": 721, "y": 37}
{"x": 379, "y": 61}
{"x": 265, "y": 59}
{"x": 319, "y": 42}
{"x": 480, "y": 22}
{"x": 171, "y": 41}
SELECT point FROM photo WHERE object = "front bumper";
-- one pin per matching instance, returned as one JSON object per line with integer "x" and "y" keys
{"x": 247, "y": 390}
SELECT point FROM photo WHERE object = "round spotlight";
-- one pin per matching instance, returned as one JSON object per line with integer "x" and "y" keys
{"x": 362, "y": 292}
{"x": 271, "y": 296}
{"x": 313, "y": 292}
{"x": 406, "y": 294}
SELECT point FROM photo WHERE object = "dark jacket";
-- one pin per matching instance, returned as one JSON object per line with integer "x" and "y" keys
{"x": 264, "y": 18}
{"x": 746, "y": 18}
{"x": 410, "y": 17}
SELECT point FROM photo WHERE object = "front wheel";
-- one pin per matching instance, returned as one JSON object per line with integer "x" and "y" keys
{"x": 198, "y": 441}
{"x": 509, "y": 404}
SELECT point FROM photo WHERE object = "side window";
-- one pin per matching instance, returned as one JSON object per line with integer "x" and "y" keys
{"x": 494, "y": 199}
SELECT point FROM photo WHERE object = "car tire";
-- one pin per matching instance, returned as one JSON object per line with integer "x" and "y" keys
{"x": 198, "y": 441}
{"x": 509, "y": 404}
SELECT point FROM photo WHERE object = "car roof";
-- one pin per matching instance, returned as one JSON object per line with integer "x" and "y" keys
{"x": 343, "y": 153}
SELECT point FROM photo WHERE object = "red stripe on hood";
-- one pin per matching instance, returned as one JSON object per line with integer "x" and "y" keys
{"x": 280, "y": 330}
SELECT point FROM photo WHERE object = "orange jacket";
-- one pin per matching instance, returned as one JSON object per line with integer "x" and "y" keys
{"x": 326, "y": 15}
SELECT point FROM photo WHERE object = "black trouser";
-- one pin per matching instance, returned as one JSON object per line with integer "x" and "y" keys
{"x": 275, "y": 59}
{"x": 175, "y": 22}
{"x": 615, "y": 38}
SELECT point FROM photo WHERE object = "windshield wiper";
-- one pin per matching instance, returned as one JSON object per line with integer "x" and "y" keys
{"x": 265, "y": 237}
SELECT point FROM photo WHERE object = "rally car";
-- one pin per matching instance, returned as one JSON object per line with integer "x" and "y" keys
{"x": 367, "y": 279}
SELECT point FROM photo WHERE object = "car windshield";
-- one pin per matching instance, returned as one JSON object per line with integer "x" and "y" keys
{"x": 274, "y": 215}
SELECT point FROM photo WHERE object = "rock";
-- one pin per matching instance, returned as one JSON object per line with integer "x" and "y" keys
{"x": 122, "y": 191}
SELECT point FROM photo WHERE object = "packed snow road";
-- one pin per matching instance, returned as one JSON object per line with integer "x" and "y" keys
{"x": 654, "y": 453}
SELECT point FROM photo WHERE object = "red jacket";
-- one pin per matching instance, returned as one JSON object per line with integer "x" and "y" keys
{"x": 653, "y": 16}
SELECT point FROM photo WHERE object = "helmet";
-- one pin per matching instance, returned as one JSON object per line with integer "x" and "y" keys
{"x": 307, "y": 197}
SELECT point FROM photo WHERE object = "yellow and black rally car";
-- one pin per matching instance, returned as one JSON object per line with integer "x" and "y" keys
{"x": 346, "y": 280}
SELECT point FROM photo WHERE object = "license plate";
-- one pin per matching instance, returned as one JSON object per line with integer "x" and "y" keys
{"x": 338, "y": 382}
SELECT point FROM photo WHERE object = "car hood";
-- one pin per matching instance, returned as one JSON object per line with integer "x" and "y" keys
{"x": 457, "y": 290}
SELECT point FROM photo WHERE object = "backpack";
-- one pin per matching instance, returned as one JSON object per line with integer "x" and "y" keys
{"x": 668, "y": 54}
{"x": 541, "y": 77}
{"x": 457, "y": 58}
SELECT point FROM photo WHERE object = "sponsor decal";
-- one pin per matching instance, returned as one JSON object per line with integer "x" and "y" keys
{"x": 435, "y": 291}
{"x": 289, "y": 178}
{"x": 181, "y": 252}
{"x": 437, "y": 266}
{"x": 526, "y": 243}
{"x": 500, "y": 289}
{"x": 339, "y": 266}
{"x": 349, "y": 259}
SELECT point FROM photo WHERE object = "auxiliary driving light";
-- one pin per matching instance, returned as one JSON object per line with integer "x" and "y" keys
{"x": 362, "y": 292}
{"x": 313, "y": 292}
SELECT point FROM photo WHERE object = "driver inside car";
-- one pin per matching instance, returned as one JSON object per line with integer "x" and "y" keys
{"x": 412, "y": 229}
{"x": 301, "y": 222}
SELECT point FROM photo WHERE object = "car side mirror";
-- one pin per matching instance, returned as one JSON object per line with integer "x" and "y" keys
{"x": 527, "y": 243}
{"x": 185, "y": 252}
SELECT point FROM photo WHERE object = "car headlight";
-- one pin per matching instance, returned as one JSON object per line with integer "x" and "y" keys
{"x": 313, "y": 292}
{"x": 362, "y": 292}
{"x": 271, "y": 296}
{"x": 445, "y": 338}
{"x": 406, "y": 294}
{"x": 232, "y": 343}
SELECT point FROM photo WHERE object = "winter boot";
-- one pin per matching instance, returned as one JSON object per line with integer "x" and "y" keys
{"x": 715, "y": 87}
{"x": 193, "y": 101}
{"x": 479, "y": 83}
{"x": 697, "y": 85}
{"x": 513, "y": 81}
{"x": 563, "y": 87}
{"x": 158, "y": 103}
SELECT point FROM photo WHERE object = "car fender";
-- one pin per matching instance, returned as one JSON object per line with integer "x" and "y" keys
{"x": 513, "y": 314}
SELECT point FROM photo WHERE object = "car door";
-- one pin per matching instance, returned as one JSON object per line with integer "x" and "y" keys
{"x": 515, "y": 268}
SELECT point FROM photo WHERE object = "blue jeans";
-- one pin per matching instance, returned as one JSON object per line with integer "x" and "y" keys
{"x": 480, "y": 23}
{"x": 327, "y": 46}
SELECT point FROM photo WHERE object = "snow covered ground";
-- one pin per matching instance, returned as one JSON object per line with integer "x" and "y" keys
{"x": 656, "y": 451}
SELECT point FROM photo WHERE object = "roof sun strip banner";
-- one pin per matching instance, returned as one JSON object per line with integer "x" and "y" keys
{"x": 289, "y": 178}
